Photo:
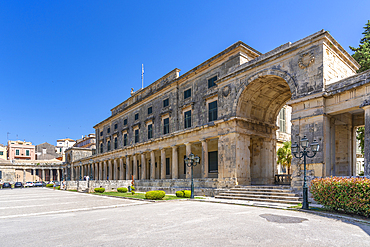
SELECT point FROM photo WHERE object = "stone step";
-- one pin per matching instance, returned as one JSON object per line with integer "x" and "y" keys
{"x": 258, "y": 199}
{"x": 260, "y": 190}
{"x": 260, "y": 193}
{"x": 263, "y": 187}
{"x": 266, "y": 196}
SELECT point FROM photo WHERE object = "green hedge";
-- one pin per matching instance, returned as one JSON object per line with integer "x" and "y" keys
{"x": 58, "y": 187}
{"x": 155, "y": 194}
{"x": 99, "y": 190}
{"x": 49, "y": 185}
{"x": 348, "y": 195}
{"x": 122, "y": 190}
{"x": 183, "y": 193}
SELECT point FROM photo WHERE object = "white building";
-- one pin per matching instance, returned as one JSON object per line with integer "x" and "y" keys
{"x": 63, "y": 145}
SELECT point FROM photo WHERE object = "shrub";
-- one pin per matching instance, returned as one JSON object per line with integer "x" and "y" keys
{"x": 180, "y": 193}
{"x": 99, "y": 190}
{"x": 58, "y": 187}
{"x": 49, "y": 185}
{"x": 155, "y": 194}
{"x": 187, "y": 193}
{"x": 122, "y": 190}
{"x": 132, "y": 190}
{"x": 349, "y": 195}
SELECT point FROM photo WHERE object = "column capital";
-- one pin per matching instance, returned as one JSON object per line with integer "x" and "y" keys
{"x": 204, "y": 140}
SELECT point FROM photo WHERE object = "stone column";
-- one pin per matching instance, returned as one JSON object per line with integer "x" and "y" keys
{"x": 121, "y": 174}
{"x": 366, "y": 107}
{"x": 152, "y": 165}
{"x": 100, "y": 170}
{"x": 128, "y": 167}
{"x": 58, "y": 175}
{"x": 175, "y": 162}
{"x": 143, "y": 166}
{"x": 96, "y": 171}
{"x": 51, "y": 175}
{"x": 332, "y": 145}
{"x": 105, "y": 174}
{"x": 204, "y": 160}
{"x": 72, "y": 172}
{"x": 34, "y": 174}
{"x": 115, "y": 169}
{"x": 43, "y": 174}
{"x": 134, "y": 171}
{"x": 188, "y": 152}
{"x": 163, "y": 163}
{"x": 24, "y": 175}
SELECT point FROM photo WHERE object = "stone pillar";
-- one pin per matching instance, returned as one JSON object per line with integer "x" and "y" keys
{"x": 134, "y": 170}
{"x": 100, "y": 176}
{"x": 115, "y": 169}
{"x": 366, "y": 108}
{"x": 175, "y": 162}
{"x": 105, "y": 169}
{"x": 152, "y": 165}
{"x": 51, "y": 175}
{"x": 121, "y": 174}
{"x": 163, "y": 163}
{"x": 58, "y": 175}
{"x": 24, "y": 175}
{"x": 34, "y": 174}
{"x": 72, "y": 172}
{"x": 128, "y": 167}
{"x": 43, "y": 174}
{"x": 188, "y": 152}
{"x": 96, "y": 171}
{"x": 143, "y": 166}
{"x": 204, "y": 160}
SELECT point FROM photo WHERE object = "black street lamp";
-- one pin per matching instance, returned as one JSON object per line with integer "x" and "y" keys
{"x": 91, "y": 170}
{"x": 299, "y": 154}
{"x": 192, "y": 161}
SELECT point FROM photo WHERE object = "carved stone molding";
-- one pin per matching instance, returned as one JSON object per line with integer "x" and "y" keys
{"x": 306, "y": 59}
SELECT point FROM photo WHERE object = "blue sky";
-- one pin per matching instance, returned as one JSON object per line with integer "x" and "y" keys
{"x": 65, "y": 64}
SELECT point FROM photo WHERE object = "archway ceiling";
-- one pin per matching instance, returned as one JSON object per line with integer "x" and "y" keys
{"x": 263, "y": 98}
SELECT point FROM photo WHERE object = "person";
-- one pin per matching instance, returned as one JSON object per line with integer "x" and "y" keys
{"x": 54, "y": 185}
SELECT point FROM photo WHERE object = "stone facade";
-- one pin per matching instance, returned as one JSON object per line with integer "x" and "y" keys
{"x": 148, "y": 135}
{"x": 45, "y": 151}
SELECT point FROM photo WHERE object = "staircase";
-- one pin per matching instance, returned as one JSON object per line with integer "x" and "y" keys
{"x": 273, "y": 194}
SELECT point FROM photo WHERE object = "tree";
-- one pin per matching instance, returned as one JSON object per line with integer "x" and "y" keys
{"x": 362, "y": 53}
{"x": 361, "y": 138}
{"x": 284, "y": 155}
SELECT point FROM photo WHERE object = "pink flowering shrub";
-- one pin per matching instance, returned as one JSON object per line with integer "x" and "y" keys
{"x": 349, "y": 195}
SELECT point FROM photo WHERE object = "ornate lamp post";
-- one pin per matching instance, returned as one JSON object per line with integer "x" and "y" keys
{"x": 304, "y": 143}
{"x": 192, "y": 161}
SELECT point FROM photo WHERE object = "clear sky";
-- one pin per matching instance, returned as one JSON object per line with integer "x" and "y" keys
{"x": 65, "y": 64}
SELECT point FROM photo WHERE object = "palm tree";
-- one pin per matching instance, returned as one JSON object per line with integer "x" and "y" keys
{"x": 284, "y": 155}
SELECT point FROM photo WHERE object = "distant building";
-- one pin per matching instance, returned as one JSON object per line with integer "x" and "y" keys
{"x": 46, "y": 151}
{"x": 21, "y": 150}
{"x": 88, "y": 141}
{"x": 63, "y": 145}
{"x": 3, "y": 152}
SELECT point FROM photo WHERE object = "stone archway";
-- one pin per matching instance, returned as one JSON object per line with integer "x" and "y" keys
{"x": 260, "y": 99}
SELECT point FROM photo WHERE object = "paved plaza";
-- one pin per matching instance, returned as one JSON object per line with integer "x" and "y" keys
{"x": 43, "y": 217}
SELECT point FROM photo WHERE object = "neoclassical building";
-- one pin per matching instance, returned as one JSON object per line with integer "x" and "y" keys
{"x": 225, "y": 111}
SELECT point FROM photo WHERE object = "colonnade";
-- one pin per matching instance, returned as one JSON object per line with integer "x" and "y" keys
{"x": 44, "y": 174}
{"x": 162, "y": 163}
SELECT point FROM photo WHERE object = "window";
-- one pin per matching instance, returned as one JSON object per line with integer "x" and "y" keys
{"x": 150, "y": 110}
{"x": 28, "y": 152}
{"x": 167, "y": 166}
{"x": 101, "y": 133}
{"x": 136, "y": 116}
{"x": 166, "y": 102}
{"x": 44, "y": 151}
{"x": 166, "y": 126}
{"x": 115, "y": 142}
{"x": 101, "y": 147}
{"x": 212, "y": 111}
{"x": 136, "y": 136}
{"x": 60, "y": 150}
{"x": 125, "y": 122}
{"x": 108, "y": 145}
{"x": 17, "y": 152}
{"x": 213, "y": 161}
{"x": 187, "y": 117}
{"x": 115, "y": 126}
{"x": 1, "y": 153}
{"x": 211, "y": 82}
{"x": 150, "y": 131}
{"x": 125, "y": 139}
{"x": 187, "y": 93}
{"x": 108, "y": 131}
{"x": 282, "y": 120}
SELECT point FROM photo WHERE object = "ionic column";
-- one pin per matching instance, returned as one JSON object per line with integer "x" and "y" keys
{"x": 128, "y": 167}
{"x": 204, "y": 160}
{"x": 366, "y": 107}
{"x": 163, "y": 163}
{"x": 51, "y": 175}
{"x": 175, "y": 162}
{"x": 115, "y": 169}
{"x": 134, "y": 172}
{"x": 58, "y": 175}
{"x": 152, "y": 165}
{"x": 121, "y": 174}
{"x": 143, "y": 166}
{"x": 188, "y": 152}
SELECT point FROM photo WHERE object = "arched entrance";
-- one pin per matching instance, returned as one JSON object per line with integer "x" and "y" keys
{"x": 258, "y": 106}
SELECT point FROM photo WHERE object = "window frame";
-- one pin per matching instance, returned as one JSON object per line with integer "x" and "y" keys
{"x": 185, "y": 93}
{"x": 150, "y": 110}
{"x": 166, "y": 126}
{"x": 167, "y": 101}
{"x": 211, "y": 81}
{"x": 150, "y": 131}
{"x": 187, "y": 120}
{"x": 125, "y": 139}
{"x": 137, "y": 136}
{"x": 212, "y": 113}
{"x": 136, "y": 116}
{"x": 209, "y": 162}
